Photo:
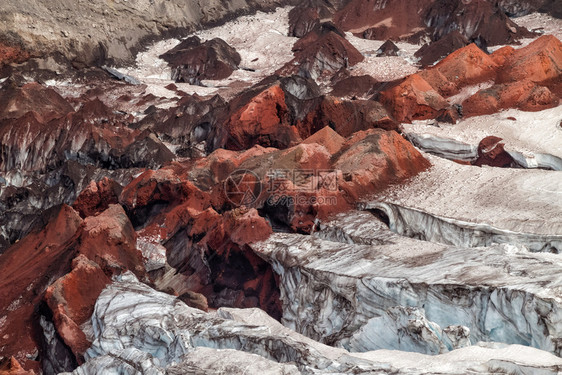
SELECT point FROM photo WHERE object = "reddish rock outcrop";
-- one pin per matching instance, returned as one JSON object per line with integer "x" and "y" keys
{"x": 72, "y": 298}
{"x": 239, "y": 277}
{"x": 94, "y": 135}
{"x": 264, "y": 120}
{"x": 327, "y": 137}
{"x": 524, "y": 95}
{"x": 435, "y": 51}
{"x": 45, "y": 102}
{"x": 27, "y": 269}
{"x": 12, "y": 54}
{"x": 539, "y": 62}
{"x": 110, "y": 240}
{"x": 413, "y": 99}
{"x": 500, "y": 55}
{"x": 10, "y": 366}
{"x": 193, "y": 61}
{"x": 466, "y": 66}
{"x": 373, "y": 159}
{"x": 347, "y": 116}
{"x": 80, "y": 255}
{"x": 491, "y": 152}
{"x": 355, "y": 86}
{"x": 478, "y": 20}
{"x": 97, "y": 197}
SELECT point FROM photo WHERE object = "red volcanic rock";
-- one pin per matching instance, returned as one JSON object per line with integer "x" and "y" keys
{"x": 45, "y": 102}
{"x": 435, "y": 51}
{"x": 264, "y": 120}
{"x": 27, "y": 268}
{"x": 237, "y": 273}
{"x": 194, "y": 61}
{"x": 110, "y": 240}
{"x": 322, "y": 51}
{"x": 466, "y": 66}
{"x": 381, "y": 20}
{"x": 163, "y": 185}
{"x": 97, "y": 197}
{"x": 540, "y": 61}
{"x": 10, "y": 366}
{"x": 11, "y": 54}
{"x": 500, "y": 55}
{"x": 355, "y": 86}
{"x": 72, "y": 299}
{"x": 373, "y": 159}
{"x": 413, "y": 99}
{"x": 328, "y": 138}
{"x": 524, "y": 95}
{"x": 302, "y": 20}
{"x": 163, "y": 201}
{"x": 305, "y": 156}
{"x": 83, "y": 250}
{"x": 491, "y": 152}
{"x": 243, "y": 226}
{"x": 348, "y": 116}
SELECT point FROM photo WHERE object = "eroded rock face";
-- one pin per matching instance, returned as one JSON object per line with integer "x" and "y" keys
{"x": 10, "y": 366}
{"x": 193, "y": 61}
{"x": 382, "y": 20}
{"x": 521, "y": 8}
{"x": 491, "y": 152}
{"x": 264, "y": 121}
{"x": 413, "y": 99}
{"x": 71, "y": 299}
{"x": 67, "y": 264}
{"x": 435, "y": 51}
{"x": 539, "y": 62}
{"x": 373, "y": 159}
{"x": 480, "y": 20}
{"x": 466, "y": 66}
{"x": 97, "y": 197}
{"x": 524, "y": 95}
{"x": 302, "y": 21}
{"x": 324, "y": 50}
{"x": 45, "y": 103}
{"x": 388, "y": 49}
{"x": 32, "y": 262}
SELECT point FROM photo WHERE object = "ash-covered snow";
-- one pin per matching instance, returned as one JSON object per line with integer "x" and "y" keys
{"x": 517, "y": 200}
{"x": 529, "y": 133}
{"x": 384, "y": 68}
{"x": 260, "y": 39}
